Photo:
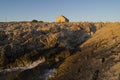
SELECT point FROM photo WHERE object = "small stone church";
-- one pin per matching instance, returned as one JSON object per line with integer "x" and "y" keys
{"x": 61, "y": 18}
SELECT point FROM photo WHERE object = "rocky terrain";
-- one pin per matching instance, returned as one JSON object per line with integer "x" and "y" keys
{"x": 59, "y": 51}
{"x": 99, "y": 58}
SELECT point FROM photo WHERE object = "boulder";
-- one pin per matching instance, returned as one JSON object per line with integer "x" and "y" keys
{"x": 61, "y": 19}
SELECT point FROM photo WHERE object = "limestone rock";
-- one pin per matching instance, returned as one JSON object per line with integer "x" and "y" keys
{"x": 61, "y": 19}
{"x": 22, "y": 44}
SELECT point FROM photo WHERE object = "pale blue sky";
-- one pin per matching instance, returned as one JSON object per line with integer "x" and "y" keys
{"x": 48, "y": 10}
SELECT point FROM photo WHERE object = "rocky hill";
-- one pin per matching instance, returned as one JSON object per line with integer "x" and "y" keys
{"x": 99, "y": 58}
{"x": 75, "y": 51}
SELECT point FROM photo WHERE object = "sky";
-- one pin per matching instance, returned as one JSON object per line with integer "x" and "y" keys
{"x": 48, "y": 10}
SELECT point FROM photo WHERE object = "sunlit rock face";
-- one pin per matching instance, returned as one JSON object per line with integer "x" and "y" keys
{"x": 23, "y": 44}
{"x": 99, "y": 58}
{"x": 61, "y": 18}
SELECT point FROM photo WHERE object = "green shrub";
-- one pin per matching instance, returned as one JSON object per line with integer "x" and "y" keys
{"x": 41, "y": 21}
{"x": 34, "y": 20}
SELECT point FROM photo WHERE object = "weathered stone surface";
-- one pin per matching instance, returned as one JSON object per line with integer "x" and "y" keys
{"x": 98, "y": 60}
{"x": 61, "y": 19}
{"x": 22, "y": 44}
{"x": 20, "y": 40}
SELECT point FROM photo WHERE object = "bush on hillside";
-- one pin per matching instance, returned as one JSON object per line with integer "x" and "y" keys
{"x": 34, "y": 20}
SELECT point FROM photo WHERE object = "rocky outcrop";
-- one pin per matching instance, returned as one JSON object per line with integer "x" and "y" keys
{"x": 22, "y": 44}
{"x": 20, "y": 40}
{"x": 98, "y": 60}
{"x": 61, "y": 19}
